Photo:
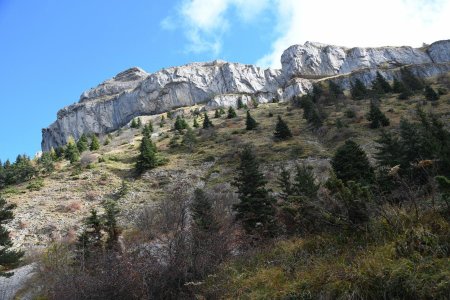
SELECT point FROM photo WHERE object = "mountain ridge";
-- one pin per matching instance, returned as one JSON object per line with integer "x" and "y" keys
{"x": 133, "y": 92}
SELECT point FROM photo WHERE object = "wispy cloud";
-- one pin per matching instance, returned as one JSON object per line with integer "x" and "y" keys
{"x": 345, "y": 22}
{"x": 204, "y": 22}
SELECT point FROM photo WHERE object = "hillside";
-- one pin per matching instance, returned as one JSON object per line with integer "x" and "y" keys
{"x": 326, "y": 179}
{"x": 52, "y": 209}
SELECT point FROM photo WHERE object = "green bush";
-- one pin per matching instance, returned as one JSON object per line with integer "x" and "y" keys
{"x": 36, "y": 185}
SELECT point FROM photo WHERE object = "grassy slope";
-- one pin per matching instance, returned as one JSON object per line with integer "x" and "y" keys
{"x": 70, "y": 192}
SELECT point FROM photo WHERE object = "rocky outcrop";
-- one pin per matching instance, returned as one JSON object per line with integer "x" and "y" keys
{"x": 368, "y": 75}
{"x": 134, "y": 92}
{"x": 315, "y": 60}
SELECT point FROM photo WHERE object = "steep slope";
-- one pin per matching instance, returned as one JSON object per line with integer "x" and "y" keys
{"x": 134, "y": 92}
{"x": 115, "y": 102}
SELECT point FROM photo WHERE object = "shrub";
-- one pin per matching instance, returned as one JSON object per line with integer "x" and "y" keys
{"x": 36, "y": 185}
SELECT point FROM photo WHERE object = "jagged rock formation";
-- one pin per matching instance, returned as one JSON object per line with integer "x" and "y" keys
{"x": 317, "y": 60}
{"x": 134, "y": 92}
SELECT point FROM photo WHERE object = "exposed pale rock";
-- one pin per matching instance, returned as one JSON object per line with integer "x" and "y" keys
{"x": 439, "y": 51}
{"x": 318, "y": 60}
{"x": 295, "y": 87}
{"x": 368, "y": 75}
{"x": 132, "y": 93}
{"x": 228, "y": 100}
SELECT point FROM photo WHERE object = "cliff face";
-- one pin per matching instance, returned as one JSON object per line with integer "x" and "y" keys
{"x": 134, "y": 92}
{"x": 131, "y": 93}
{"x": 317, "y": 60}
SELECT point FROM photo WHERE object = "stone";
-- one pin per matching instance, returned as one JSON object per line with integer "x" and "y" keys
{"x": 315, "y": 60}
{"x": 134, "y": 92}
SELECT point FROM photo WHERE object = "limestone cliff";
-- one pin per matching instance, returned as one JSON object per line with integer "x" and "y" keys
{"x": 134, "y": 92}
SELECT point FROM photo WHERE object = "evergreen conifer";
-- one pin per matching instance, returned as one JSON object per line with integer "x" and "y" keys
{"x": 71, "y": 152}
{"x": 380, "y": 85}
{"x": 358, "y": 90}
{"x": 256, "y": 208}
{"x": 95, "y": 144}
{"x": 282, "y": 131}
{"x": 83, "y": 143}
{"x": 240, "y": 104}
{"x": 8, "y": 258}
{"x": 376, "y": 117}
{"x": 231, "y": 113}
{"x": 206, "y": 122}
{"x": 195, "y": 125}
{"x": 350, "y": 163}
{"x": 147, "y": 158}
{"x": 430, "y": 94}
{"x": 250, "y": 123}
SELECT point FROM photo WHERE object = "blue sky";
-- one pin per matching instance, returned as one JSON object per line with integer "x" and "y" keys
{"x": 53, "y": 50}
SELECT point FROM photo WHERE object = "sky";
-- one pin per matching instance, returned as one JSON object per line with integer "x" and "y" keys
{"x": 53, "y": 50}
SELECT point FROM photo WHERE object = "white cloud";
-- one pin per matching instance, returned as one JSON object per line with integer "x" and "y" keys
{"x": 358, "y": 23}
{"x": 204, "y": 21}
{"x": 344, "y": 22}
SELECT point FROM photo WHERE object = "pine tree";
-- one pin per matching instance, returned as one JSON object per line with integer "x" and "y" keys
{"x": 216, "y": 114}
{"x": 60, "y": 152}
{"x": 380, "y": 85}
{"x": 389, "y": 150}
{"x": 202, "y": 212}
{"x": 397, "y": 86}
{"x": 147, "y": 131}
{"x": 317, "y": 92}
{"x": 285, "y": 184}
{"x": 231, "y": 113}
{"x": 90, "y": 238}
{"x": 163, "y": 121}
{"x": 71, "y": 152}
{"x": 410, "y": 80}
{"x": 350, "y": 163}
{"x": 430, "y": 94}
{"x": 206, "y": 122}
{"x": 150, "y": 126}
{"x": 376, "y": 117}
{"x": 134, "y": 123}
{"x": 8, "y": 258}
{"x": 180, "y": 124}
{"x": 221, "y": 111}
{"x": 413, "y": 147}
{"x": 256, "y": 208}
{"x": 250, "y": 123}
{"x": 46, "y": 161}
{"x": 139, "y": 123}
{"x": 95, "y": 144}
{"x": 240, "y": 104}
{"x": 310, "y": 111}
{"x": 358, "y": 90}
{"x": 354, "y": 197}
{"x": 110, "y": 221}
{"x": 53, "y": 154}
{"x": 282, "y": 131}
{"x": 195, "y": 123}
{"x": 83, "y": 143}
{"x": 334, "y": 89}
{"x": 147, "y": 158}
{"x": 304, "y": 183}
{"x": 189, "y": 139}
